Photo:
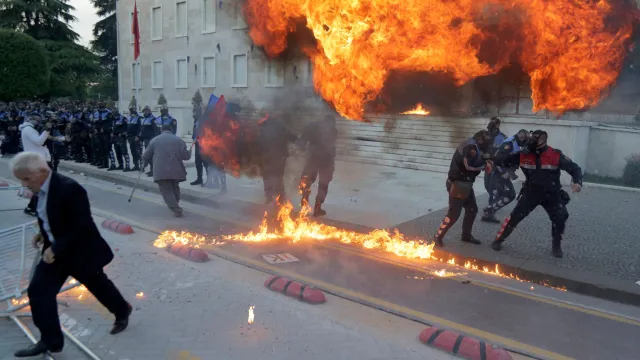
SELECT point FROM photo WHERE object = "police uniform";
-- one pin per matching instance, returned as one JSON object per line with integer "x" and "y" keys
{"x": 80, "y": 137}
{"x": 133, "y": 137}
{"x": 103, "y": 123}
{"x": 166, "y": 119}
{"x": 541, "y": 168}
{"x": 321, "y": 152}
{"x": 466, "y": 164}
{"x": 148, "y": 130}
{"x": 502, "y": 191}
{"x": 120, "y": 142}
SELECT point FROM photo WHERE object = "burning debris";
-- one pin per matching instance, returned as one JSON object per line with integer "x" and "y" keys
{"x": 251, "y": 315}
{"x": 572, "y": 51}
{"x": 418, "y": 110}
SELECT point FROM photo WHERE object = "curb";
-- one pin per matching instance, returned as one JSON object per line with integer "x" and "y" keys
{"x": 25, "y": 193}
{"x": 295, "y": 289}
{"x": 188, "y": 253}
{"x": 612, "y": 187}
{"x": 461, "y": 345}
{"x": 117, "y": 226}
{"x": 599, "y": 286}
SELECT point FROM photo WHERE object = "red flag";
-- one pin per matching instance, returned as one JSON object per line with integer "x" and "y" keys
{"x": 135, "y": 30}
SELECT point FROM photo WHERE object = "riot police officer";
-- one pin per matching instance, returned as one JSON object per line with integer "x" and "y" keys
{"x": 103, "y": 123}
{"x": 467, "y": 162}
{"x": 133, "y": 136}
{"x": 119, "y": 139}
{"x": 166, "y": 119}
{"x": 148, "y": 130}
{"x": 541, "y": 165}
{"x": 503, "y": 192}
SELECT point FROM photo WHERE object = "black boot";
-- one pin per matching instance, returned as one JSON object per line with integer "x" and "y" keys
{"x": 120, "y": 324}
{"x": 136, "y": 168}
{"x": 126, "y": 169}
{"x": 556, "y": 249}
{"x": 119, "y": 167}
{"x": 438, "y": 241}
{"x": 470, "y": 239}
{"x": 496, "y": 245}
{"x": 317, "y": 211}
{"x": 490, "y": 216}
{"x": 197, "y": 182}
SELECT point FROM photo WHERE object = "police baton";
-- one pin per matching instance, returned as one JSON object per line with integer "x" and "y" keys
{"x": 135, "y": 187}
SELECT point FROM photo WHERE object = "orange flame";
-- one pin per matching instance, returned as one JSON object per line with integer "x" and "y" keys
{"x": 571, "y": 50}
{"x": 418, "y": 110}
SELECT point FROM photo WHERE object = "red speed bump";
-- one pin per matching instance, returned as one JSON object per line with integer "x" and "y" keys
{"x": 463, "y": 346}
{"x": 117, "y": 226}
{"x": 295, "y": 289}
{"x": 188, "y": 253}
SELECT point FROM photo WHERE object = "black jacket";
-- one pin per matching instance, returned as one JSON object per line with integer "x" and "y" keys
{"x": 78, "y": 245}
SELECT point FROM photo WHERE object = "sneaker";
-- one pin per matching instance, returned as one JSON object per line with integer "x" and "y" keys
{"x": 470, "y": 239}
{"x": 438, "y": 242}
{"x": 556, "y": 250}
{"x": 197, "y": 182}
{"x": 496, "y": 245}
{"x": 491, "y": 218}
{"x": 317, "y": 212}
{"x": 30, "y": 212}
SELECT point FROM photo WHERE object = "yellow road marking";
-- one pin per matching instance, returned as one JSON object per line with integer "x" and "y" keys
{"x": 427, "y": 318}
{"x": 549, "y": 301}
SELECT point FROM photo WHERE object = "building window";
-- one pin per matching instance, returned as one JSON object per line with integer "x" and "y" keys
{"x": 240, "y": 22}
{"x": 208, "y": 16}
{"x": 181, "y": 19}
{"x": 156, "y": 74}
{"x": 515, "y": 92}
{"x": 239, "y": 68}
{"x": 131, "y": 39}
{"x": 156, "y": 23}
{"x": 208, "y": 71}
{"x": 135, "y": 76}
{"x": 181, "y": 73}
{"x": 274, "y": 73}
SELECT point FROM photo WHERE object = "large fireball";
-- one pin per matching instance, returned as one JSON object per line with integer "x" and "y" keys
{"x": 572, "y": 50}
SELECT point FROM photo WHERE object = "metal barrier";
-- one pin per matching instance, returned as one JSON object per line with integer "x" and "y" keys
{"x": 18, "y": 259}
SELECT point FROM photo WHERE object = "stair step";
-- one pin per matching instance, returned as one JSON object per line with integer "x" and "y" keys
{"x": 393, "y": 163}
{"x": 392, "y": 157}
{"x": 444, "y": 145}
{"x": 394, "y": 151}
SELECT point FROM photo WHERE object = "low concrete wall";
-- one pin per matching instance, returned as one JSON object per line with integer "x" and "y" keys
{"x": 608, "y": 148}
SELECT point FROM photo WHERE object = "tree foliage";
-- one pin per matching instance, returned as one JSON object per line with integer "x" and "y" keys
{"x": 162, "y": 100}
{"x": 71, "y": 66}
{"x": 24, "y": 72}
{"x": 105, "y": 43}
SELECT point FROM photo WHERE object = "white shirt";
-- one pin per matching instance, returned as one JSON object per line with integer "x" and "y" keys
{"x": 34, "y": 141}
{"x": 43, "y": 194}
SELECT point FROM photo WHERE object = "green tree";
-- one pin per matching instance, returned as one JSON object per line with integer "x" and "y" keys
{"x": 105, "y": 43}
{"x": 24, "y": 72}
{"x": 72, "y": 67}
{"x": 41, "y": 19}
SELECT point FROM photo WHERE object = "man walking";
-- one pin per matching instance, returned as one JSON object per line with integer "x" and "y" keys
{"x": 71, "y": 246}
{"x": 166, "y": 153}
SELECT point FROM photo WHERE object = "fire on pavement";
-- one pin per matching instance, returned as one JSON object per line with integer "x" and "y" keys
{"x": 300, "y": 228}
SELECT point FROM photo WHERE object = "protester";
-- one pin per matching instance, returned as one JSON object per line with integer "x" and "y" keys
{"x": 166, "y": 153}
{"x": 34, "y": 141}
{"x": 71, "y": 246}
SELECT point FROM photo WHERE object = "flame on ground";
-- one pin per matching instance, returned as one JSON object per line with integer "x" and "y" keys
{"x": 571, "y": 50}
{"x": 300, "y": 228}
{"x": 418, "y": 110}
{"x": 251, "y": 315}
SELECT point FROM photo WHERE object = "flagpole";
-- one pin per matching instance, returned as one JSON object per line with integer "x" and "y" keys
{"x": 118, "y": 53}
{"x": 138, "y": 79}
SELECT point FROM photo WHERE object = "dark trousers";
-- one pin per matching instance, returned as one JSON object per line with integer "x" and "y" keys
{"x": 554, "y": 203}
{"x": 146, "y": 142}
{"x": 135, "y": 146}
{"x": 82, "y": 150}
{"x": 44, "y": 287}
{"x": 32, "y": 202}
{"x": 455, "y": 209}
{"x": 314, "y": 168}
{"x": 200, "y": 163}
{"x": 272, "y": 177}
{"x": 502, "y": 193}
{"x": 122, "y": 155}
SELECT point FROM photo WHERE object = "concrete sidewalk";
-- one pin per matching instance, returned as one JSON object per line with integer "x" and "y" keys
{"x": 602, "y": 246}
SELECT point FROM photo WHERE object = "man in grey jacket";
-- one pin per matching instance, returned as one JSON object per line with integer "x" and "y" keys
{"x": 166, "y": 152}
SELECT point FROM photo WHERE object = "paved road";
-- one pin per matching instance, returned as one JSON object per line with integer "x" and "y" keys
{"x": 602, "y": 234}
{"x": 199, "y": 311}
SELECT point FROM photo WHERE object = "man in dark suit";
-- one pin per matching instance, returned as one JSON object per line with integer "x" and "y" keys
{"x": 71, "y": 246}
